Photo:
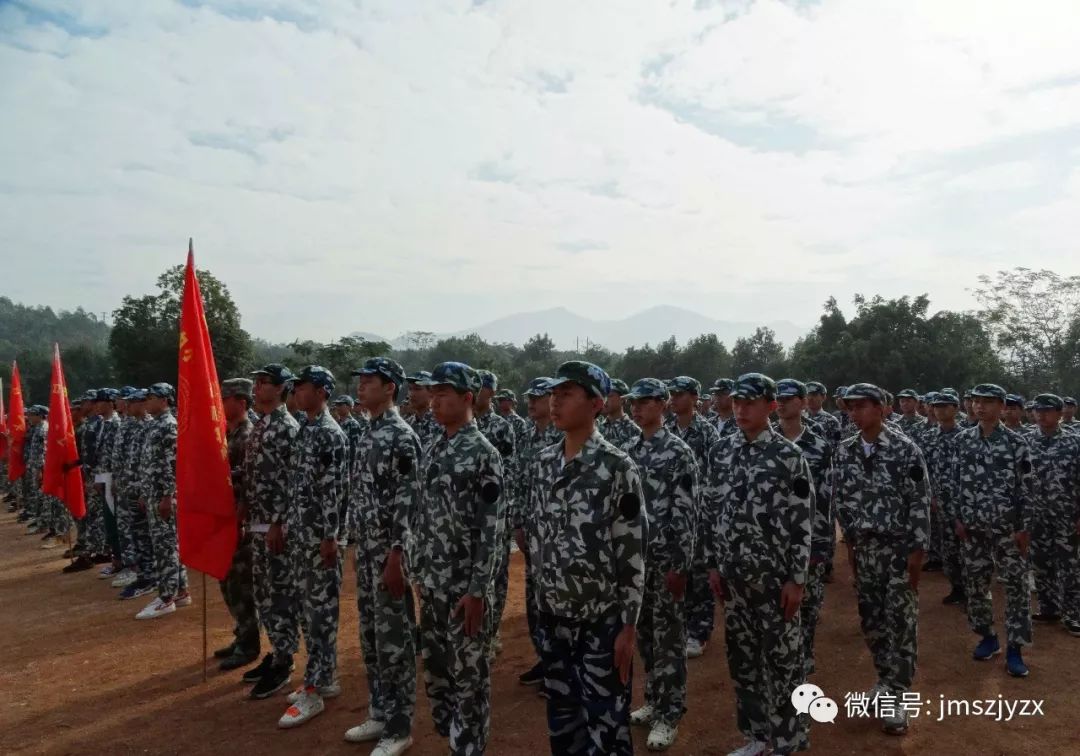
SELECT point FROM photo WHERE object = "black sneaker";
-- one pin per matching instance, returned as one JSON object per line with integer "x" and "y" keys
{"x": 1046, "y": 617}
{"x": 49, "y": 535}
{"x": 954, "y": 598}
{"x": 1072, "y": 627}
{"x": 534, "y": 676}
{"x": 276, "y": 678}
{"x": 81, "y": 563}
{"x": 101, "y": 558}
{"x": 237, "y": 660}
{"x": 255, "y": 674}
{"x": 225, "y": 652}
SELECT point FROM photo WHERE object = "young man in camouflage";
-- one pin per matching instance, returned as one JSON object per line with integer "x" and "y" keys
{"x": 586, "y": 542}
{"x": 882, "y": 501}
{"x": 699, "y": 435}
{"x": 992, "y": 506}
{"x": 422, "y": 418}
{"x": 111, "y": 467}
{"x": 910, "y": 421}
{"x": 124, "y": 550}
{"x": 505, "y": 404}
{"x": 341, "y": 408}
{"x": 159, "y": 500}
{"x": 669, "y": 479}
{"x": 1068, "y": 415}
{"x": 937, "y": 448}
{"x": 37, "y": 427}
{"x": 268, "y": 462}
{"x": 96, "y": 543}
{"x": 315, "y": 520}
{"x": 816, "y": 394}
{"x": 384, "y": 490}
{"x": 1013, "y": 417}
{"x": 140, "y": 551}
{"x": 723, "y": 413}
{"x": 618, "y": 428}
{"x": 458, "y": 536}
{"x": 1055, "y": 537}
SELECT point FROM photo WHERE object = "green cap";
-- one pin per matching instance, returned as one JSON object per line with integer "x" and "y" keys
{"x": 684, "y": 383}
{"x": 236, "y": 387}
{"x": 1048, "y": 402}
{"x": 908, "y": 394}
{"x": 816, "y": 387}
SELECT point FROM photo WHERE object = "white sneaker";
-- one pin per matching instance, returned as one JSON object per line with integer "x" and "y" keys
{"x": 752, "y": 748}
{"x": 661, "y": 736}
{"x": 32, "y": 529}
{"x": 392, "y": 746}
{"x": 333, "y": 690}
{"x": 183, "y": 600}
{"x": 307, "y": 706}
{"x": 694, "y": 648}
{"x": 370, "y": 730}
{"x": 49, "y": 544}
{"x": 643, "y": 716}
{"x": 157, "y": 608}
{"x": 125, "y": 578}
{"x": 107, "y": 572}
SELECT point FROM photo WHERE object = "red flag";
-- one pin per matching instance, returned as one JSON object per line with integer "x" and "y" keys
{"x": 16, "y": 463}
{"x": 3, "y": 423}
{"x": 205, "y": 511}
{"x": 62, "y": 475}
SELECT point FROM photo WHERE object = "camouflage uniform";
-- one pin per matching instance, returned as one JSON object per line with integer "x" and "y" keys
{"x": 501, "y": 435}
{"x": 621, "y": 432}
{"x": 912, "y": 425}
{"x": 937, "y": 447}
{"x": 427, "y": 428}
{"x": 139, "y": 552}
{"x": 39, "y": 506}
{"x": 457, "y": 540}
{"x": 89, "y": 460}
{"x": 96, "y": 504}
{"x": 238, "y": 586}
{"x": 354, "y": 434}
{"x": 518, "y": 424}
{"x": 829, "y": 427}
{"x": 725, "y": 426}
{"x": 316, "y": 514}
{"x": 669, "y": 479}
{"x": 385, "y": 485}
{"x": 122, "y": 491}
{"x": 159, "y": 482}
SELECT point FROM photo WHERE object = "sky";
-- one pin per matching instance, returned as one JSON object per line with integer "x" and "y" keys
{"x": 392, "y": 166}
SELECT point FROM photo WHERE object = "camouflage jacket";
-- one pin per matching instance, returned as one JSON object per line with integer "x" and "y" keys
{"x": 1055, "y": 460}
{"x": 319, "y": 475}
{"x": 426, "y": 426}
{"x": 386, "y": 483}
{"x": 120, "y": 450}
{"x": 531, "y": 443}
{"x": 818, "y": 453}
{"x": 587, "y": 528}
{"x": 237, "y": 442}
{"x": 106, "y": 444}
{"x": 725, "y": 426}
{"x": 992, "y": 480}
{"x": 498, "y": 432}
{"x": 912, "y": 425}
{"x": 883, "y": 494}
{"x": 91, "y": 428}
{"x": 459, "y": 517}
{"x": 937, "y": 450}
{"x": 268, "y": 461}
{"x": 621, "y": 432}
{"x": 829, "y": 425}
{"x": 669, "y": 478}
{"x": 698, "y": 435}
{"x": 757, "y": 504}
{"x": 518, "y": 424}
{"x": 159, "y": 459}
{"x": 34, "y": 444}
{"x": 134, "y": 442}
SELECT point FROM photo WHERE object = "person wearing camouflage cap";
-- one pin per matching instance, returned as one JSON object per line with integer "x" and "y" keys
{"x": 910, "y": 421}
{"x": 1055, "y": 553}
{"x": 882, "y": 501}
{"x": 138, "y": 551}
{"x": 458, "y": 543}
{"x": 758, "y": 511}
{"x": 506, "y": 406}
{"x": 992, "y": 513}
{"x": 724, "y": 414}
{"x": 1068, "y": 415}
{"x": 618, "y": 428}
{"x": 586, "y": 528}
{"x": 315, "y": 525}
{"x": 342, "y": 408}
{"x": 386, "y": 483}
{"x": 669, "y": 478}
{"x": 968, "y": 419}
{"x": 102, "y": 534}
{"x": 936, "y": 444}
{"x": 123, "y": 513}
{"x": 816, "y": 394}
{"x": 39, "y": 506}
{"x": 422, "y": 419}
{"x": 1013, "y": 417}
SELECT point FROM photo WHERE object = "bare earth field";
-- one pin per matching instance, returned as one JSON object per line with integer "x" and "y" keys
{"x": 81, "y": 676}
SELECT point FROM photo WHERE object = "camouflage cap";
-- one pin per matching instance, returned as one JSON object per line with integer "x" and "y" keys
{"x": 278, "y": 373}
{"x": 90, "y": 395}
{"x": 126, "y": 392}
{"x": 1014, "y": 400}
{"x": 457, "y": 375}
{"x": 139, "y": 396}
{"x": 788, "y": 388}
{"x": 649, "y": 388}
{"x": 237, "y": 387}
{"x": 754, "y": 386}
{"x": 907, "y": 394}
{"x": 384, "y": 367}
{"x": 539, "y": 387}
{"x": 590, "y": 377}
{"x": 39, "y": 410}
{"x": 816, "y": 387}
{"x": 1048, "y": 402}
{"x": 989, "y": 391}
{"x": 722, "y": 386}
{"x": 943, "y": 397}
{"x": 506, "y": 394}
{"x": 107, "y": 395}
{"x": 865, "y": 391}
{"x": 684, "y": 383}
{"x": 1068, "y": 401}
{"x": 317, "y": 376}
{"x": 343, "y": 400}
{"x": 488, "y": 380}
{"x": 418, "y": 377}
{"x": 840, "y": 391}
{"x": 951, "y": 392}
{"x": 619, "y": 387}
{"x": 967, "y": 394}
{"x": 161, "y": 391}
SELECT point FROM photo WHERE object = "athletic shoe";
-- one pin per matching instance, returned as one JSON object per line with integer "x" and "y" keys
{"x": 307, "y": 706}
{"x": 1046, "y": 617}
{"x": 50, "y": 544}
{"x": 372, "y": 729}
{"x": 1072, "y": 627}
{"x": 81, "y": 563}
{"x": 225, "y": 652}
{"x": 534, "y": 676}
{"x": 137, "y": 589}
{"x": 255, "y": 674}
{"x": 896, "y": 723}
{"x": 333, "y": 690}
{"x": 392, "y": 746}
{"x": 694, "y": 648}
{"x": 275, "y": 678}
{"x": 124, "y": 578}
{"x": 643, "y": 717}
{"x": 1014, "y": 662}
{"x": 49, "y": 535}
{"x": 752, "y": 748}
{"x": 32, "y": 529}
{"x": 661, "y": 736}
{"x": 107, "y": 571}
{"x": 954, "y": 598}
{"x": 156, "y": 608}
{"x": 183, "y": 599}
{"x": 101, "y": 558}
{"x": 237, "y": 660}
{"x": 987, "y": 648}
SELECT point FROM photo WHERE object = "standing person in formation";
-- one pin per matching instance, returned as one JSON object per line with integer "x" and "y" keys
{"x": 458, "y": 537}
{"x": 816, "y": 394}
{"x": 314, "y": 521}
{"x": 95, "y": 405}
{"x": 937, "y": 447}
{"x": 422, "y": 419}
{"x": 586, "y": 547}
{"x": 910, "y": 421}
{"x": 342, "y": 410}
{"x": 699, "y": 435}
{"x": 123, "y": 549}
{"x": 238, "y": 586}
{"x": 40, "y": 509}
{"x": 724, "y": 418}
{"x": 139, "y": 552}
{"x": 96, "y": 544}
{"x": 618, "y": 429}
{"x": 385, "y": 486}
{"x": 269, "y": 459}
{"x": 540, "y": 434}
{"x": 1013, "y": 417}
{"x": 758, "y": 509}
{"x": 110, "y": 467}
{"x": 505, "y": 404}
{"x": 1055, "y": 545}
{"x": 969, "y": 420}
{"x": 1068, "y": 415}
{"x": 883, "y": 505}
{"x": 159, "y": 501}
{"x": 993, "y": 484}
{"x": 669, "y": 478}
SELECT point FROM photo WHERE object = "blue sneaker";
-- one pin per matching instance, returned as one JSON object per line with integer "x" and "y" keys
{"x": 987, "y": 648}
{"x": 1014, "y": 662}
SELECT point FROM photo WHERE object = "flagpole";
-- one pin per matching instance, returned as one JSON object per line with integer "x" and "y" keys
{"x": 203, "y": 626}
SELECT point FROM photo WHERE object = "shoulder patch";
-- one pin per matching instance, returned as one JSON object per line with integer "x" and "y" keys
{"x": 404, "y": 465}
{"x": 629, "y": 505}
{"x": 326, "y": 458}
{"x": 916, "y": 473}
{"x": 801, "y": 487}
{"x": 490, "y": 492}
{"x": 1026, "y": 466}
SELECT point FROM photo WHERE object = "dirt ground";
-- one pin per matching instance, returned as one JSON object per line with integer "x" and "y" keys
{"x": 81, "y": 676}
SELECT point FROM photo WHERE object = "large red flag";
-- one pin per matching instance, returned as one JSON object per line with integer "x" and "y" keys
{"x": 16, "y": 463}
{"x": 205, "y": 511}
{"x": 3, "y": 422}
{"x": 62, "y": 475}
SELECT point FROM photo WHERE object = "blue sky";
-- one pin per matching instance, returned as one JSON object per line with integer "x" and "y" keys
{"x": 388, "y": 166}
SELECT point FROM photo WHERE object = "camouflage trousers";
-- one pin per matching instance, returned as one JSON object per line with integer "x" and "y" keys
{"x": 532, "y": 611}
{"x": 59, "y": 520}
{"x": 34, "y": 498}
{"x": 95, "y": 522}
{"x": 764, "y": 655}
{"x": 239, "y": 593}
{"x": 588, "y": 707}
{"x": 276, "y": 600}
{"x": 810, "y": 612}
{"x": 502, "y": 585}
{"x": 125, "y": 516}
{"x": 1055, "y": 557}
{"x": 952, "y": 556}
{"x": 319, "y": 588}
{"x": 983, "y": 551}
{"x": 662, "y": 644}
{"x": 457, "y": 673}
{"x": 171, "y": 575}
{"x": 888, "y": 609}
{"x": 388, "y": 645}
{"x": 937, "y": 534}
{"x": 142, "y": 543}
{"x": 700, "y": 602}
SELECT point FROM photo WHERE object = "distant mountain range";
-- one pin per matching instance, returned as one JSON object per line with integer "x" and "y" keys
{"x": 651, "y": 326}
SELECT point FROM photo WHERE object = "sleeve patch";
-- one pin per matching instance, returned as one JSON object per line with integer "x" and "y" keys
{"x": 629, "y": 506}
{"x": 326, "y": 458}
{"x": 687, "y": 481}
{"x": 490, "y": 492}
{"x": 404, "y": 465}
{"x": 801, "y": 487}
{"x": 1026, "y": 466}
{"x": 916, "y": 473}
